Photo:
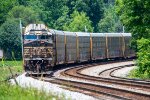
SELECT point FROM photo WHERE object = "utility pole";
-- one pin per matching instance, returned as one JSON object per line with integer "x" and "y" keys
{"x": 21, "y": 36}
{"x": 123, "y": 29}
{"x": 85, "y": 29}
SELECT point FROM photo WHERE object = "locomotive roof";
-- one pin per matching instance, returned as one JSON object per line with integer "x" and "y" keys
{"x": 126, "y": 34}
{"x": 36, "y": 28}
{"x": 82, "y": 34}
{"x": 97, "y": 34}
{"x": 41, "y": 28}
{"x": 69, "y": 33}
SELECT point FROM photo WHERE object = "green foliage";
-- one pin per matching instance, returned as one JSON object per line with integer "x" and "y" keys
{"x": 26, "y": 14}
{"x": 10, "y": 37}
{"x": 9, "y": 92}
{"x": 78, "y": 23}
{"x": 143, "y": 61}
{"x": 15, "y": 66}
{"x": 63, "y": 20}
{"x": 92, "y": 8}
{"x": 5, "y": 6}
{"x": 134, "y": 73}
{"x": 11, "y": 30}
{"x": 23, "y": 2}
{"x": 110, "y": 22}
{"x": 17, "y": 63}
{"x": 136, "y": 17}
{"x": 144, "y": 57}
{"x": 38, "y": 7}
{"x": 109, "y": 2}
{"x": 52, "y": 11}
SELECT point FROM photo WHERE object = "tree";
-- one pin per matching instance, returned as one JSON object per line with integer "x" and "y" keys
{"x": 24, "y": 2}
{"x": 26, "y": 14}
{"x": 110, "y": 22}
{"x": 5, "y": 6}
{"x": 62, "y": 21}
{"x": 78, "y": 23}
{"x": 144, "y": 57}
{"x": 135, "y": 15}
{"x": 10, "y": 38}
{"x": 52, "y": 11}
{"x": 109, "y": 2}
{"x": 92, "y": 8}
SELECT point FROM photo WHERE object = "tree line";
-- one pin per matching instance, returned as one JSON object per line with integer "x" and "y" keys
{"x": 62, "y": 14}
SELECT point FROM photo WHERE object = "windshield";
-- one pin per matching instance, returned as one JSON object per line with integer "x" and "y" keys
{"x": 33, "y": 37}
{"x": 44, "y": 36}
{"x": 30, "y": 37}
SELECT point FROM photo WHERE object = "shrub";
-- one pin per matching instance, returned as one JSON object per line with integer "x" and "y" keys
{"x": 143, "y": 60}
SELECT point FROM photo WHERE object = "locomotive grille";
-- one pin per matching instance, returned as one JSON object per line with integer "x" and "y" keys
{"x": 38, "y": 52}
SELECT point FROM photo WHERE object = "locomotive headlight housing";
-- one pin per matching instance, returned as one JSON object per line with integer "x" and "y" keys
{"x": 42, "y": 42}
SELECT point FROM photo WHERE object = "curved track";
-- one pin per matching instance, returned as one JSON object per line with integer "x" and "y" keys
{"x": 76, "y": 73}
{"x": 128, "y": 79}
{"x": 91, "y": 85}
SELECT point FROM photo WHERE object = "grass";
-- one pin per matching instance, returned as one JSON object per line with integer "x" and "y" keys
{"x": 10, "y": 63}
{"x": 15, "y": 66}
{"x": 13, "y": 92}
{"x": 134, "y": 73}
{"x": 9, "y": 92}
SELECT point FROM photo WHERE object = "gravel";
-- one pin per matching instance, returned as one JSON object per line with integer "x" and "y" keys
{"x": 94, "y": 71}
{"x": 24, "y": 81}
{"x": 124, "y": 72}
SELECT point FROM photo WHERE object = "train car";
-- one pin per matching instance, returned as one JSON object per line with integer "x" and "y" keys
{"x": 114, "y": 45}
{"x": 83, "y": 48}
{"x": 71, "y": 47}
{"x": 60, "y": 46}
{"x": 128, "y": 52}
{"x": 45, "y": 48}
{"x": 98, "y": 46}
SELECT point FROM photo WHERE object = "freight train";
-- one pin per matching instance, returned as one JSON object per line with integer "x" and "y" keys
{"x": 44, "y": 48}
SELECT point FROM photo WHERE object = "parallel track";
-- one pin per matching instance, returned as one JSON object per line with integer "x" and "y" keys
{"x": 127, "y": 79}
{"x": 99, "y": 91}
{"x": 76, "y": 73}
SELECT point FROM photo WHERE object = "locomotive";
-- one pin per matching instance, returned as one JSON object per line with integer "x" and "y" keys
{"x": 44, "y": 48}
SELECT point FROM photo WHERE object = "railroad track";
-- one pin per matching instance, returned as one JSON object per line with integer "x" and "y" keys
{"x": 98, "y": 91}
{"x": 101, "y": 91}
{"x": 128, "y": 79}
{"x": 76, "y": 73}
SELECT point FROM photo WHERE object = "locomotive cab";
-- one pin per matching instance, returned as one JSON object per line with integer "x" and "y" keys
{"x": 37, "y": 48}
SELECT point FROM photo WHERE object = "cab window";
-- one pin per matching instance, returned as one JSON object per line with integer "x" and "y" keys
{"x": 30, "y": 37}
{"x": 44, "y": 36}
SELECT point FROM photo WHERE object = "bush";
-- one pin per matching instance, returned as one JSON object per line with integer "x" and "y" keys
{"x": 143, "y": 61}
{"x": 10, "y": 39}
